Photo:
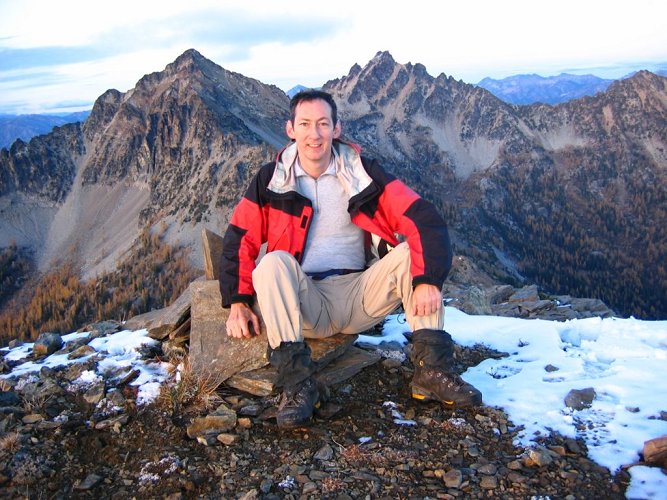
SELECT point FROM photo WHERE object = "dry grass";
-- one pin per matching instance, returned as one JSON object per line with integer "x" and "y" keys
{"x": 356, "y": 454}
{"x": 333, "y": 485}
{"x": 10, "y": 442}
{"x": 35, "y": 403}
{"x": 189, "y": 390}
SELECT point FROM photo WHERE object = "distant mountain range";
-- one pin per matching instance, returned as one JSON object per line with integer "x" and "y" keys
{"x": 518, "y": 89}
{"x": 530, "y": 89}
{"x": 295, "y": 90}
{"x": 571, "y": 197}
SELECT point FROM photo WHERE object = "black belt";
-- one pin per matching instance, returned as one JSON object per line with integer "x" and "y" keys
{"x": 332, "y": 272}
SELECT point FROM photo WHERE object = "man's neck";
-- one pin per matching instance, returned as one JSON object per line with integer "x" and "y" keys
{"x": 315, "y": 169}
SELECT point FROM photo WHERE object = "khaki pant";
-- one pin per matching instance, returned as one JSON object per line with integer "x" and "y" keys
{"x": 293, "y": 306}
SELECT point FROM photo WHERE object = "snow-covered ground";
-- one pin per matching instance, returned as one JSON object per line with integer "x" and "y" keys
{"x": 623, "y": 360}
{"x": 120, "y": 350}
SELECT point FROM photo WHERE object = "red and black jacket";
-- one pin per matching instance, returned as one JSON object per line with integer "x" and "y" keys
{"x": 273, "y": 212}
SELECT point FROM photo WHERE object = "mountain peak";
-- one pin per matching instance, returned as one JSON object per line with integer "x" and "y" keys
{"x": 191, "y": 54}
{"x": 383, "y": 56}
{"x": 189, "y": 59}
{"x": 640, "y": 83}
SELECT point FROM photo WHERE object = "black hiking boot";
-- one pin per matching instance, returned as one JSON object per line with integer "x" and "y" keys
{"x": 297, "y": 404}
{"x": 432, "y": 353}
{"x": 301, "y": 393}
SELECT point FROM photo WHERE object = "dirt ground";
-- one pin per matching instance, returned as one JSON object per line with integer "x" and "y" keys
{"x": 353, "y": 449}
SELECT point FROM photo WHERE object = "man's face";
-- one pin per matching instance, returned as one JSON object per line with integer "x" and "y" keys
{"x": 314, "y": 131}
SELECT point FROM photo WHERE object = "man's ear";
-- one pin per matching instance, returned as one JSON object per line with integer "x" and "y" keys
{"x": 289, "y": 129}
{"x": 337, "y": 130}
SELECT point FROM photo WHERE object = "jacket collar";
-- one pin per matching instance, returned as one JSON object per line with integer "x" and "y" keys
{"x": 349, "y": 169}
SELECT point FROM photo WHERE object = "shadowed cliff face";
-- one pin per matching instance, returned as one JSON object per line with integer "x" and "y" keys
{"x": 570, "y": 196}
{"x": 44, "y": 167}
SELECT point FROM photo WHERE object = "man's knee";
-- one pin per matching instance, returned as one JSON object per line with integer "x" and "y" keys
{"x": 400, "y": 255}
{"x": 271, "y": 262}
{"x": 403, "y": 249}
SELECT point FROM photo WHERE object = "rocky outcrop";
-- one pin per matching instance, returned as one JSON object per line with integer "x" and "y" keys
{"x": 545, "y": 194}
{"x": 473, "y": 291}
{"x": 195, "y": 324}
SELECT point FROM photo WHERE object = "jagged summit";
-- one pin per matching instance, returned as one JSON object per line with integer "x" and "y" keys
{"x": 172, "y": 111}
{"x": 191, "y": 57}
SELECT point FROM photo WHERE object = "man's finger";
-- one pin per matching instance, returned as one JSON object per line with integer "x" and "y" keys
{"x": 255, "y": 324}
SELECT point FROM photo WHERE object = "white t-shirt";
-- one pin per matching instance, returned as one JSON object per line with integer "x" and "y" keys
{"x": 333, "y": 242}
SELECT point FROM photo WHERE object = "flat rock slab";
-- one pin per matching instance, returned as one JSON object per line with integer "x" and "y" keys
{"x": 160, "y": 323}
{"x": 261, "y": 382}
{"x": 348, "y": 365}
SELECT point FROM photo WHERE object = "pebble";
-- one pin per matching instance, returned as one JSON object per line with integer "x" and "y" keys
{"x": 318, "y": 475}
{"x": 265, "y": 486}
{"x": 515, "y": 477}
{"x": 32, "y": 418}
{"x": 539, "y": 457}
{"x": 489, "y": 482}
{"x": 228, "y": 439}
{"x": 324, "y": 453}
{"x": 250, "y": 495}
{"x": 308, "y": 488}
{"x": 453, "y": 478}
{"x": 488, "y": 469}
{"x": 244, "y": 423}
{"x": 515, "y": 465}
{"x": 91, "y": 481}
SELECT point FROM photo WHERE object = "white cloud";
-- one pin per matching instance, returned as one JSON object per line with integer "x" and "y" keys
{"x": 307, "y": 43}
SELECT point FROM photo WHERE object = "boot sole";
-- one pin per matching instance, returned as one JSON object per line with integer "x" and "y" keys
{"x": 427, "y": 397}
{"x": 423, "y": 395}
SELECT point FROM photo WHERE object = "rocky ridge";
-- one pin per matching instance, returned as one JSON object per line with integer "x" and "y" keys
{"x": 568, "y": 197}
{"x": 179, "y": 148}
{"x": 549, "y": 194}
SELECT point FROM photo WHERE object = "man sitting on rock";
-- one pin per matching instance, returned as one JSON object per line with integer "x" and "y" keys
{"x": 331, "y": 220}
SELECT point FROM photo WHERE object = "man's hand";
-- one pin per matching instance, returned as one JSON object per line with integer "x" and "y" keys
{"x": 426, "y": 300}
{"x": 241, "y": 320}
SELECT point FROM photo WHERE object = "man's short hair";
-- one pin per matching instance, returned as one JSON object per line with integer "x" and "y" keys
{"x": 312, "y": 95}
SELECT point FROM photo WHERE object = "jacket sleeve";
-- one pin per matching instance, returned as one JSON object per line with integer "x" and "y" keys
{"x": 424, "y": 229}
{"x": 243, "y": 238}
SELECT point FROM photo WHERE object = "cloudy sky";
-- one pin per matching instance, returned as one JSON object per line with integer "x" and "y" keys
{"x": 61, "y": 55}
